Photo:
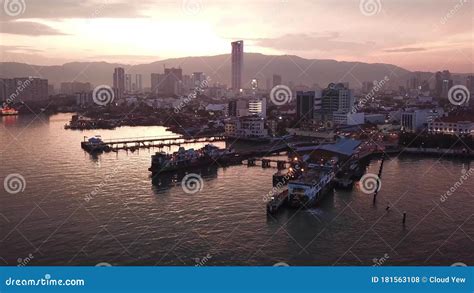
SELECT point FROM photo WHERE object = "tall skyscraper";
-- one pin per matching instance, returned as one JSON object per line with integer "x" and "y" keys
{"x": 138, "y": 83}
{"x": 173, "y": 81}
{"x": 276, "y": 80}
{"x": 237, "y": 65}
{"x": 443, "y": 83}
{"x": 157, "y": 81}
{"x": 119, "y": 82}
{"x": 128, "y": 83}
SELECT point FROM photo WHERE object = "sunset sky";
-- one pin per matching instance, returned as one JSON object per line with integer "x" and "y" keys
{"x": 417, "y": 34}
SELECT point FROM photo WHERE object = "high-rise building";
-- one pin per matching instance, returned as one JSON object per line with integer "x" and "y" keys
{"x": 198, "y": 78}
{"x": 237, "y": 108}
{"x": 307, "y": 104}
{"x": 157, "y": 82}
{"x": 138, "y": 83}
{"x": 119, "y": 82}
{"x": 276, "y": 80}
{"x": 23, "y": 89}
{"x": 128, "y": 83}
{"x": 443, "y": 83}
{"x": 70, "y": 88}
{"x": 237, "y": 65}
{"x": 336, "y": 98}
{"x": 173, "y": 79}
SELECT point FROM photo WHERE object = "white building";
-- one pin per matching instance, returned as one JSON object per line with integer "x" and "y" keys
{"x": 452, "y": 125}
{"x": 246, "y": 127}
{"x": 258, "y": 107}
{"x": 375, "y": 118}
{"x": 348, "y": 118}
{"x": 415, "y": 120}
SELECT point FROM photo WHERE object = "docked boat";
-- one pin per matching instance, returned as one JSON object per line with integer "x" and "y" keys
{"x": 8, "y": 111}
{"x": 209, "y": 154}
{"x": 310, "y": 188}
{"x": 95, "y": 144}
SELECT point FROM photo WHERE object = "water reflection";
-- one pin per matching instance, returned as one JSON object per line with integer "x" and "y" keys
{"x": 165, "y": 181}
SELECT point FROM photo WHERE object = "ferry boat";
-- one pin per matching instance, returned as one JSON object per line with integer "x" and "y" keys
{"x": 7, "y": 111}
{"x": 310, "y": 188}
{"x": 162, "y": 162}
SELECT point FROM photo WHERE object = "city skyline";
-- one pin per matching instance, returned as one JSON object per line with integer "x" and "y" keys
{"x": 436, "y": 34}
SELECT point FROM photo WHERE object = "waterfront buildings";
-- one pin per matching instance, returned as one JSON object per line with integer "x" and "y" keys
{"x": 414, "y": 120}
{"x": 119, "y": 82}
{"x": 23, "y": 89}
{"x": 237, "y": 65}
{"x": 455, "y": 125}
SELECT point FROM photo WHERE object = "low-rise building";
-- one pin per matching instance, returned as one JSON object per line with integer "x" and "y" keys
{"x": 456, "y": 125}
{"x": 246, "y": 127}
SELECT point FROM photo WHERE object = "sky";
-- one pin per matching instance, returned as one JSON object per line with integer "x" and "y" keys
{"x": 425, "y": 35}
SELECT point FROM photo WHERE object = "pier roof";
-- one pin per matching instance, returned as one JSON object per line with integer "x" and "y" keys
{"x": 343, "y": 146}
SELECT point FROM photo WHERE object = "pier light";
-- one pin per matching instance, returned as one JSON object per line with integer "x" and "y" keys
{"x": 295, "y": 159}
{"x": 302, "y": 170}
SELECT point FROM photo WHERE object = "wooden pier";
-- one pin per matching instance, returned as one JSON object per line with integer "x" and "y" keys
{"x": 136, "y": 143}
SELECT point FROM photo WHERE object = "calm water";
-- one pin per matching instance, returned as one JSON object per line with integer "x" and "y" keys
{"x": 130, "y": 221}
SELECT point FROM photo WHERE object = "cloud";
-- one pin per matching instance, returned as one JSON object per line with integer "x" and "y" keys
{"x": 28, "y": 28}
{"x": 404, "y": 50}
{"x": 64, "y": 9}
{"x": 312, "y": 41}
{"x": 17, "y": 49}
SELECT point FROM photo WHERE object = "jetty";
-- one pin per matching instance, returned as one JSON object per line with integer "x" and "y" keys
{"x": 134, "y": 143}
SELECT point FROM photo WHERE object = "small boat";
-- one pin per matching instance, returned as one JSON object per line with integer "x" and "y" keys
{"x": 95, "y": 144}
{"x": 8, "y": 111}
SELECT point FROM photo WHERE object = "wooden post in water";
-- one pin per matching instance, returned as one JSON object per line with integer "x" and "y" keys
{"x": 404, "y": 217}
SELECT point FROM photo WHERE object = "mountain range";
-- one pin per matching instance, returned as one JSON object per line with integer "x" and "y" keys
{"x": 290, "y": 67}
